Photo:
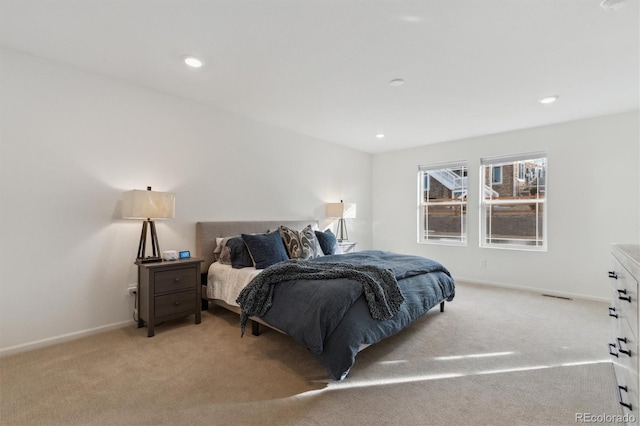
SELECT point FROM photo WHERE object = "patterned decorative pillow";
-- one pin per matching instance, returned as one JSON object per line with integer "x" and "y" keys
{"x": 300, "y": 244}
{"x": 222, "y": 253}
{"x": 221, "y": 242}
{"x": 328, "y": 242}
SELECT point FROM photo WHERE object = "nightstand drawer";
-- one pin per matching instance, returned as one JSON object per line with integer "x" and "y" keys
{"x": 176, "y": 279}
{"x": 176, "y": 303}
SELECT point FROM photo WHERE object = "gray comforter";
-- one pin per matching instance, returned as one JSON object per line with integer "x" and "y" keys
{"x": 378, "y": 284}
{"x": 333, "y": 316}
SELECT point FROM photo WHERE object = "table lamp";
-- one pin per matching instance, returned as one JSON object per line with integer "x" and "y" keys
{"x": 148, "y": 205}
{"x": 343, "y": 211}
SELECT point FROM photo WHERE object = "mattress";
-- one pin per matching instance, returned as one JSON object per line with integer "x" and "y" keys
{"x": 225, "y": 283}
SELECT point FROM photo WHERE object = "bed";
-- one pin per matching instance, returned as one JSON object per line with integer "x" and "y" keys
{"x": 333, "y": 318}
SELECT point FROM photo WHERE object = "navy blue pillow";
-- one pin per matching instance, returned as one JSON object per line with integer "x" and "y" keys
{"x": 240, "y": 257}
{"x": 328, "y": 242}
{"x": 265, "y": 249}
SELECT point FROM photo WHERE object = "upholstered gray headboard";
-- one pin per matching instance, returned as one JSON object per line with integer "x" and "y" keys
{"x": 207, "y": 232}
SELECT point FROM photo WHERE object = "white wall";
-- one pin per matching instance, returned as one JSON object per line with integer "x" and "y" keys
{"x": 592, "y": 197}
{"x": 71, "y": 142}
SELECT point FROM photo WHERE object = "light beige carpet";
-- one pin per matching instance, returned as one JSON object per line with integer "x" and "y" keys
{"x": 494, "y": 357}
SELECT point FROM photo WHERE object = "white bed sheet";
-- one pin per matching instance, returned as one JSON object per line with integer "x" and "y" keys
{"x": 225, "y": 283}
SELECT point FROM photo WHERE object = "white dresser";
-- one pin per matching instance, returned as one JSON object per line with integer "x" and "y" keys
{"x": 624, "y": 275}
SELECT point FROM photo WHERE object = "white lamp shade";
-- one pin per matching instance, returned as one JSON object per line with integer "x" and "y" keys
{"x": 140, "y": 204}
{"x": 341, "y": 210}
{"x": 334, "y": 209}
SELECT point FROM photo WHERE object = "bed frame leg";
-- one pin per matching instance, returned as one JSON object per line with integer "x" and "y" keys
{"x": 255, "y": 328}
{"x": 442, "y": 306}
{"x": 204, "y": 302}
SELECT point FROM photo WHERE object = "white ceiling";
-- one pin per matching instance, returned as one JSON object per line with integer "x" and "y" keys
{"x": 322, "y": 67}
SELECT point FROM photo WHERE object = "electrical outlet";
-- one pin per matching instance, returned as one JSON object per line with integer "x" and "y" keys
{"x": 133, "y": 288}
{"x": 483, "y": 263}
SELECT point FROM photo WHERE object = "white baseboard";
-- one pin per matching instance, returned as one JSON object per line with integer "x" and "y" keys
{"x": 533, "y": 290}
{"x": 11, "y": 350}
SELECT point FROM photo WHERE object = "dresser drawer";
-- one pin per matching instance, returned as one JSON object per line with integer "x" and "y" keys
{"x": 175, "y": 279}
{"x": 628, "y": 394}
{"x": 176, "y": 303}
{"x": 625, "y": 346}
{"x": 620, "y": 313}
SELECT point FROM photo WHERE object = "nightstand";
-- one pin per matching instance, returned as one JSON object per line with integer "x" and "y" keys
{"x": 168, "y": 290}
{"x": 347, "y": 246}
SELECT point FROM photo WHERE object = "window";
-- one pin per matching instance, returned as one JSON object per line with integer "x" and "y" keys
{"x": 496, "y": 175}
{"x": 442, "y": 203}
{"x": 513, "y": 214}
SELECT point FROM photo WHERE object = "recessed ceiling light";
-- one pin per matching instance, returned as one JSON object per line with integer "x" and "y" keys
{"x": 397, "y": 82}
{"x": 611, "y": 5}
{"x": 193, "y": 62}
{"x": 549, "y": 99}
{"x": 412, "y": 19}
{"x": 380, "y": 135}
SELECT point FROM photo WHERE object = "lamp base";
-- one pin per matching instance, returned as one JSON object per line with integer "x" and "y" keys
{"x": 149, "y": 260}
{"x": 341, "y": 232}
{"x": 155, "y": 247}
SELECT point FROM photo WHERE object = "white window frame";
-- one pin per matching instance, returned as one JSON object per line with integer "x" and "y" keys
{"x": 488, "y": 201}
{"x": 460, "y": 206}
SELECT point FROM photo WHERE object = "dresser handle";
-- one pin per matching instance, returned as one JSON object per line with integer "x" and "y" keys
{"x": 624, "y": 404}
{"x": 177, "y": 279}
{"x": 177, "y": 302}
{"x": 624, "y": 291}
{"x": 612, "y": 312}
{"x": 613, "y": 346}
{"x": 623, "y": 340}
{"x": 612, "y": 274}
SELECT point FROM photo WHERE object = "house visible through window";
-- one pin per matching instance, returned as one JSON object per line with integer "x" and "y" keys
{"x": 496, "y": 175}
{"x": 513, "y": 210}
{"x": 442, "y": 206}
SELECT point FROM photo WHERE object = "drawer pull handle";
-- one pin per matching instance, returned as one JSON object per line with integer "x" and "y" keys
{"x": 612, "y": 346}
{"x": 612, "y": 274}
{"x": 177, "y": 279}
{"x": 624, "y": 404}
{"x": 623, "y": 340}
{"x": 621, "y": 292}
{"x": 612, "y": 312}
{"x": 177, "y": 302}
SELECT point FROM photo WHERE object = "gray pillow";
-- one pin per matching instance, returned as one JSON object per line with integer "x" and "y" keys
{"x": 240, "y": 257}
